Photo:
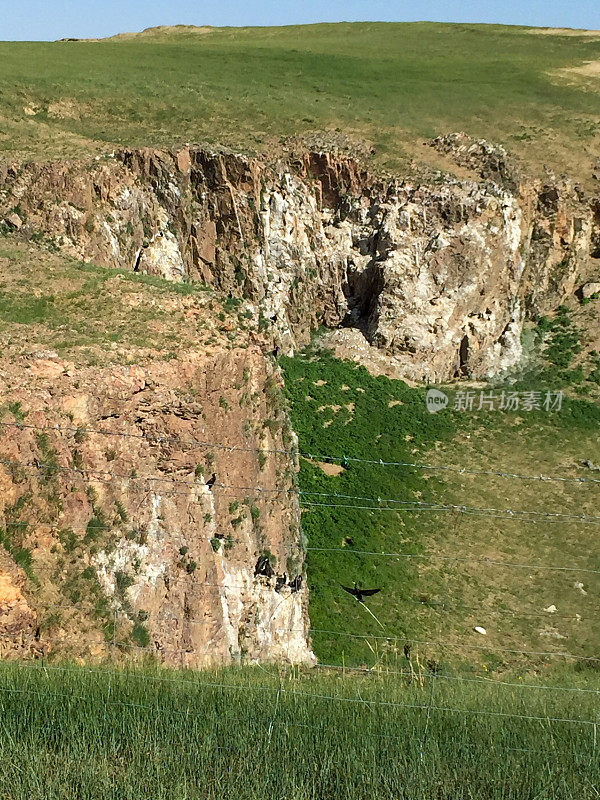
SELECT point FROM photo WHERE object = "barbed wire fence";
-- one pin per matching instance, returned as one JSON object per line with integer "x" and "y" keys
{"x": 393, "y": 505}
{"x": 190, "y": 441}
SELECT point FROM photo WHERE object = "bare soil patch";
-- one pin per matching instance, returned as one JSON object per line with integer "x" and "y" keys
{"x": 329, "y": 469}
{"x": 591, "y": 69}
{"x": 565, "y": 32}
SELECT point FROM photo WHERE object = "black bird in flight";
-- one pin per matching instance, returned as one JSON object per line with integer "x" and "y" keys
{"x": 211, "y": 481}
{"x": 360, "y": 594}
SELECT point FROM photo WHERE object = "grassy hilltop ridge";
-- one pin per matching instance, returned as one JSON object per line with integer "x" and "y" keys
{"x": 388, "y": 83}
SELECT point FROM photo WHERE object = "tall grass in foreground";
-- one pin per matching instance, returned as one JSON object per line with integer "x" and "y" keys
{"x": 70, "y": 732}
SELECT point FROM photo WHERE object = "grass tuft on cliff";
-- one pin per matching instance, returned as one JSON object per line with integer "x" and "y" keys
{"x": 95, "y": 316}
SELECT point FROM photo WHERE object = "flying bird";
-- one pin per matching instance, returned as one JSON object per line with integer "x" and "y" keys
{"x": 360, "y": 594}
{"x": 211, "y": 481}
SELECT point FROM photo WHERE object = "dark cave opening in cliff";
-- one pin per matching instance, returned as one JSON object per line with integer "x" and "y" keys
{"x": 463, "y": 357}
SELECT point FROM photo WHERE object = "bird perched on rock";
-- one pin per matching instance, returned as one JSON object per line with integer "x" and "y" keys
{"x": 211, "y": 481}
{"x": 263, "y": 567}
{"x": 296, "y": 584}
{"x": 360, "y": 594}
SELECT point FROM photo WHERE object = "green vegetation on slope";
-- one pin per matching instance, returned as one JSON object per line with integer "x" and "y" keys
{"x": 339, "y": 409}
{"x": 461, "y": 581}
{"x": 250, "y": 734}
{"x": 560, "y": 338}
{"x": 248, "y": 87}
{"x": 95, "y": 316}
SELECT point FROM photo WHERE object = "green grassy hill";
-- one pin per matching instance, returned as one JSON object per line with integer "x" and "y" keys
{"x": 387, "y": 83}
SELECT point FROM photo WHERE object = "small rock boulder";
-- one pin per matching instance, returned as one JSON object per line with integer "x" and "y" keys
{"x": 590, "y": 289}
{"x": 14, "y": 221}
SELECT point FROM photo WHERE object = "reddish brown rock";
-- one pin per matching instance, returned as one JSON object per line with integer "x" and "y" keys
{"x": 113, "y": 505}
{"x": 18, "y": 622}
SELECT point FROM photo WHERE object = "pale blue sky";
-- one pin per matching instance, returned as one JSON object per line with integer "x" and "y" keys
{"x": 53, "y": 19}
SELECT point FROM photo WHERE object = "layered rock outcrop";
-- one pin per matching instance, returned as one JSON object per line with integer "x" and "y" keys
{"x": 439, "y": 274}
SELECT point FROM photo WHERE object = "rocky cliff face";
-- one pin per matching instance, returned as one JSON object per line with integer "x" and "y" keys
{"x": 439, "y": 275}
{"x": 105, "y": 481}
{"x": 107, "y": 495}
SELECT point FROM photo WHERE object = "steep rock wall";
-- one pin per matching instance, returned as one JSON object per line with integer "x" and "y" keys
{"x": 105, "y": 481}
{"x": 440, "y": 275}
